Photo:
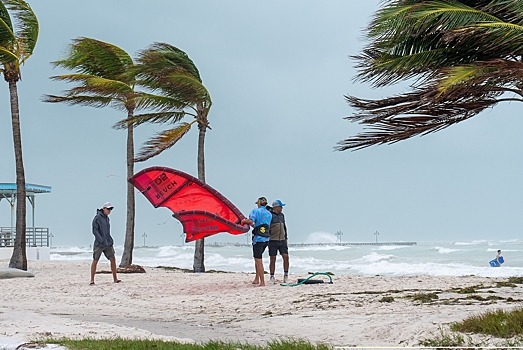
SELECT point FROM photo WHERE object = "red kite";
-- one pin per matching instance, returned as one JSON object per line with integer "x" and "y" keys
{"x": 201, "y": 209}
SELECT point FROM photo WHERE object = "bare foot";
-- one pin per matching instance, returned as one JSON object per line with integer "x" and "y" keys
{"x": 255, "y": 282}
{"x": 261, "y": 285}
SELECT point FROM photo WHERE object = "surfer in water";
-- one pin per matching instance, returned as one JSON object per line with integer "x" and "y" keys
{"x": 498, "y": 255}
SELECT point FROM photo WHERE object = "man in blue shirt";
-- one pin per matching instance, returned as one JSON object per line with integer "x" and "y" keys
{"x": 259, "y": 218}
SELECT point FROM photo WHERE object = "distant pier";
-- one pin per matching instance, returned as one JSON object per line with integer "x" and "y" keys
{"x": 350, "y": 243}
{"x": 216, "y": 244}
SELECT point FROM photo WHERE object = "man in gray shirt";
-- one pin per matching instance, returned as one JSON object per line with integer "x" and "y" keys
{"x": 278, "y": 241}
{"x": 103, "y": 242}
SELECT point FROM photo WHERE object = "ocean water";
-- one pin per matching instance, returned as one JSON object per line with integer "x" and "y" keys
{"x": 425, "y": 258}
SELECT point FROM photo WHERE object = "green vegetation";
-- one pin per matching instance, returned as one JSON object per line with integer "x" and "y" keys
{"x": 507, "y": 325}
{"x": 450, "y": 340}
{"x": 388, "y": 299}
{"x": 505, "y": 284}
{"x": 127, "y": 344}
{"x": 173, "y": 268}
{"x": 501, "y": 324}
{"x": 424, "y": 297}
{"x": 467, "y": 290}
{"x": 179, "y": 269}
{"x": 515, "y": 280}
{"x": 480, "y": 298}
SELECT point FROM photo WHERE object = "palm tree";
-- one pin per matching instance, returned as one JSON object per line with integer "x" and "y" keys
{"x": 17, "y": 42}
{"x": 103, "y": 75}
{"x": 169, "y": 72}
{"x": 462, "y": 56}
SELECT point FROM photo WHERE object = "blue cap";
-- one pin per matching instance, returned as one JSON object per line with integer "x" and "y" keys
{"x": 278, "y": 203}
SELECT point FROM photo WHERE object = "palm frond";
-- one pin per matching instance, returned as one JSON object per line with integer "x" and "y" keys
{"x": 103, "y": 75}
{"x": 163, "y": 67}
{"x": 26, "y": 27}
{"x": 7, "y": 56}
{"x": 102, "y": 59}
{"x": 412, "y": 38}
{"x": 448, "y": 15}
{"x": 73, "y": 78}
{"x": 464, "y": 56}
{"x": 402, "y": 117}
{"x": 381, "y": 69}
{"x": 499, "y": 39}
{"x": 92, "y": 101}
{"x": 183, "y": 87}
{"x": 506, "y": 10}
{"x": 155, "y": 118}
{"x": 7, "y": 35}
{"x": 161, "y": 59}
{"x": 162, "y": 141}
{"x": 96, "y": 84}
{"x": 159, "y": 102}
{"x": 494, "y": 75}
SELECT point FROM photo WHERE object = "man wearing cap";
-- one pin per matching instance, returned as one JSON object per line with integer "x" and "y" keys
{"x": 260, "y": 219}
{"x": 278, "y": 241}
{"x": 103, "y": 242}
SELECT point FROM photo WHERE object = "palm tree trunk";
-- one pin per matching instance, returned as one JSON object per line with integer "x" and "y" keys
{"x": 199, "y": 247}
{"x": 127, "y": 256}
{"x": 19, "y": 257}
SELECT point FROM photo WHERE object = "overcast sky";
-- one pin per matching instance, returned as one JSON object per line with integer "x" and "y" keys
{"x": 277, "y": 72}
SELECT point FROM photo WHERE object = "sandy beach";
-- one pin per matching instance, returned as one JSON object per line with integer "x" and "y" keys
{"x": 58, "y": 302}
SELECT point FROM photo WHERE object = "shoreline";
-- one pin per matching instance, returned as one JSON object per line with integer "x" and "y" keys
{"x": 173, "y": 305}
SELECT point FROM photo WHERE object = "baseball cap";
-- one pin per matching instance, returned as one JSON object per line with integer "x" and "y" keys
{"x": 278, "y": 203}
{"x": 108, "y": 205}
{"x": 261, "y": 201}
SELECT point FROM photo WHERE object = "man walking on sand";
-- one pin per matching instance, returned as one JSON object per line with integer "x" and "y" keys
{"x": 260, "y": 219}
{"x": 103, "y": 242}
{"x": 278, "y": 241}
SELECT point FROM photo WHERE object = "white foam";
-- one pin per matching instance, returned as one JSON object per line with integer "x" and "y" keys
{"x": 436, "y": 258}
{"x": 321, "y": 237}
{"x": 373, "y": 257}
{"x": 442, "y": 250}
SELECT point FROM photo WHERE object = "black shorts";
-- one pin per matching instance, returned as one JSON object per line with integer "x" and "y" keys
{"x": 108, "y": 252}
{"x": 275, "y": 246}
{"x": 258, "y": 249}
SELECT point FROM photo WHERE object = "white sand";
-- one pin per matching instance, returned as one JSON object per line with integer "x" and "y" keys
{"x": 58, "y": 302}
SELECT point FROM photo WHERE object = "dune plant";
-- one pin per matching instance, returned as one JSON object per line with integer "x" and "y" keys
{"x": 499, "y": 323}
{"x": 142, "y": 344}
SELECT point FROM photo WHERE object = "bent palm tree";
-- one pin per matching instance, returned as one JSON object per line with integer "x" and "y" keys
{"x": 464, "y": 57}
{"x": 104, "y": 76}
{"x": 17, "y": 42}
{"x": 169, "y": 72}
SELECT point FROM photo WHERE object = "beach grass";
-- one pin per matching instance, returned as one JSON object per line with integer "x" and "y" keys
{"x": 424, "y": 297}
{"x": 499, "y": 323}
{"x": 144, "y": 344}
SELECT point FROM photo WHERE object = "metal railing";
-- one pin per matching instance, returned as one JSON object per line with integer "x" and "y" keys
{"x": 34, "y": 236}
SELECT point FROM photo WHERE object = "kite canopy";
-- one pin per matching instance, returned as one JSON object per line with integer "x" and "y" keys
{"x": 202, "y": 210}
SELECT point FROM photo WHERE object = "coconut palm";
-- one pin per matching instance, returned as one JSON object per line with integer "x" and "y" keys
{"x": 461, "y": 57}
{"x": 170, "y": 73}
{"x": 103, "y": 75}
{"x": 18, "y": 36}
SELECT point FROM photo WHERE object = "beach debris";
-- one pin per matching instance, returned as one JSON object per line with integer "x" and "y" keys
{"x": 127, "y": 269}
